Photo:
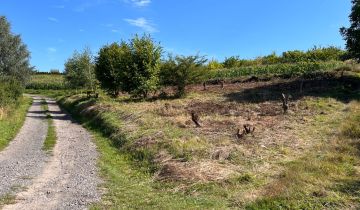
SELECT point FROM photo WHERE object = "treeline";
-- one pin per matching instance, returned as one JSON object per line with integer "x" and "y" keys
{"x": 139, "y": 68}
{"x": 15, "y": 68}
{"x": 316, "y": 54}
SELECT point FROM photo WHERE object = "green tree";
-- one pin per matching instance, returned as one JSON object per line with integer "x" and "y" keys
{"x": 14, "y": 56}
{"x": 183, "y": 70}
{"x": 112, "y": 67}
{"x": 231, "y": 62}
{"x": 79, "y": 70}
{"x": 352, "y": 34}
{"x": 143, "y": 76}
{"x": 131, "y": 67}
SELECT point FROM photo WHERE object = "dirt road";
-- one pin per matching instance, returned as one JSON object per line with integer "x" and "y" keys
{"x": 67, "y": 179}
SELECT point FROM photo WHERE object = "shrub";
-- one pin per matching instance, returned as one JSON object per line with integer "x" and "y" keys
{"x": 10, "y": 90}
{"x": 183, "y": 70}
{"x": 79, "y": 70}
{"x": 132, "y": 67}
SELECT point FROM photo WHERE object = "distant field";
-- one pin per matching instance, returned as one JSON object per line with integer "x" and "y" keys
{"x": 47, "y": 82}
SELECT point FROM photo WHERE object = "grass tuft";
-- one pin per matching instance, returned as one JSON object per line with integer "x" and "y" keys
{"x": 50, "y": 140}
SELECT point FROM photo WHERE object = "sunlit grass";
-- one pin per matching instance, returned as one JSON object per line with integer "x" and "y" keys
{"x": 12, "y": 120}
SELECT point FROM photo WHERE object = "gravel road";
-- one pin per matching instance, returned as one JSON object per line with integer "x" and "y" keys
{"x": 69, "y": 178}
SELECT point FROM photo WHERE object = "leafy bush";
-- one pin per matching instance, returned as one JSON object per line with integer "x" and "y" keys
{"x": 110, "y": 67}
{"x": 10, "y": 91}
{"x": 132, "y": 67}
{"x": 79, "y": 70}
{"x": 181, "y": 71}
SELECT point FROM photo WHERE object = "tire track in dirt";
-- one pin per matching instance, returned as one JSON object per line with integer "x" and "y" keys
{"x": 24, "y": 159}
{"x": 69, "y": 180}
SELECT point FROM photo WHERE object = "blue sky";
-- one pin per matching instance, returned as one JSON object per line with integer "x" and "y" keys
{"x": 216, "y": 28}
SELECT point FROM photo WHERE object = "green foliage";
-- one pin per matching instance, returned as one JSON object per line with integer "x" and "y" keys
{"x": 284, "y": 70}
{"x": 14, "y": 56}
{"x": 10, "y": 90}
{"x": 231, "y": 62}
{"x": 316, "y": 54}
{"x": 183, "y": 70}
{"x": 11, "y": 120}
{"x": 111, "y": 66}
{"x": 132, "y": 67}
{"x": 214, "y": 64}
{"x": 79, "y": 70}
{"x": 145, "y": 69}
{"x": 352, "y": 34}
{"x": 46, "y": 81}
{"x": 55, "y": 71}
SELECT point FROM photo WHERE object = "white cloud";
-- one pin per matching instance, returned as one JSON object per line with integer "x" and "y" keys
{"x": 141, "y": 3}
{"x": 115, "y": 31}
{"x": 51, "y": 50}
{"x": 143, "y": 24}
{"x": 81, "y": 30}
{"x": 53, "y": 19}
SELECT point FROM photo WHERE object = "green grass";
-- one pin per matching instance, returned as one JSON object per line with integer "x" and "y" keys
{"x": 321, "y": 174}
{"x": 283, "y": 70}
{"x": 326, "y": 177}
{"x": 50, "y": 140}
{"x": 13, "y": 120}
{"x": 7, "y": 199}
{"x": 46, "y": 81}
{"x": 127, "y": 188}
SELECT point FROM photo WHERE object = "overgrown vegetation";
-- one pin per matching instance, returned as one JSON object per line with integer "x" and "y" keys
{"x": 279, "y": 70}
{"x": 131, "y": 67}
{"x": 46, "y": 81}
{"x": 182, "y": 71}
{"x": 294, "y": 160}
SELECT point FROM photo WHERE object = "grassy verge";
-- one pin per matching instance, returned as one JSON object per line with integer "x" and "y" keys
{"x": 326, "y": 177}
{"x": 12, "y": 120}
{"x": 50, "y": 140}
{"x": 128, "y": 187}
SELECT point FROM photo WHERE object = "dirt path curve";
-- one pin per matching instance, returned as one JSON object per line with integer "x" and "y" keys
{"x": 23, "y": 159}
{"x": 69, "y": 180}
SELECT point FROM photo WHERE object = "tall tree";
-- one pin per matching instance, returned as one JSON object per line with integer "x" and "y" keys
{"x": 352, "y": 34}
{"x": 14, "y": 56}
{"x": 112, "y": 65}
{"x": 79, "y": 70}
{"x": 145, "y": 68}
{"x": 132, "y": 67}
